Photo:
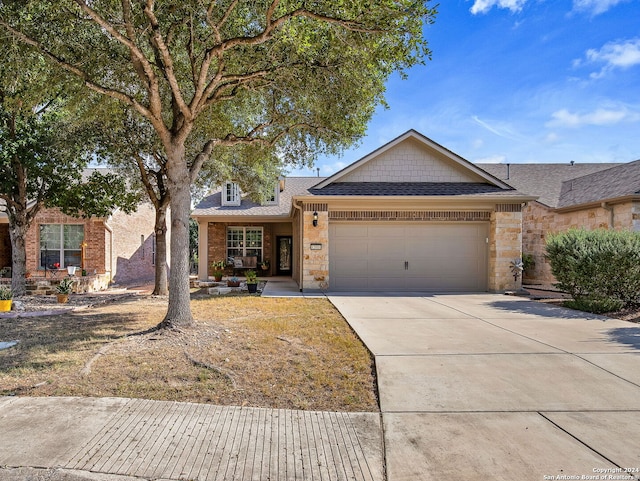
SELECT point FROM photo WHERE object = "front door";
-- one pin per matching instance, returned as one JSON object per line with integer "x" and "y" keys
{"x": 284, "y": 257}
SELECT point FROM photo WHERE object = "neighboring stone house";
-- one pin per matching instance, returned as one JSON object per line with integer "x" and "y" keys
{"x": 118, "y": 249}
{"x": 410, "y": 216}
{"x": 573, "y": 195}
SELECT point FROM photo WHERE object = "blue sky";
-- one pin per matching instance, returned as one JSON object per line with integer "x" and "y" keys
{"x": 520, "y": 81}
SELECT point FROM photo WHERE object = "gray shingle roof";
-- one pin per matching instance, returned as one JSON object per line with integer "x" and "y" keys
{"x": 545, "y": 180}
{"x": 410, "y": 189}
{"x": 211, "y": 205}
{"x": 618, "y": 181}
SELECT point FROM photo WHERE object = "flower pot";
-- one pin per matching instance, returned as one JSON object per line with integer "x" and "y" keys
{"x": 5, "y": 305}
{"x": 233, "y": 284}
{"x": 217, "y": 278}
{"x": 252, "y": 288}
{"x": 63, "y": 298}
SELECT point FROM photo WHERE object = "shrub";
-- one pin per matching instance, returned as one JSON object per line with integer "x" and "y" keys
{"x": 599, "y": 268}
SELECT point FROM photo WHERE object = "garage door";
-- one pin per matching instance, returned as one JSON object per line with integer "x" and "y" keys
{"x": 396, "y": 257}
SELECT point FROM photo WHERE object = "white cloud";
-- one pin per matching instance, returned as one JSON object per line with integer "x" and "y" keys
{"x": 483, "y": 6}
{"x": 623, "y": 54}
{"x": 492, "y": 159}
{"x": 594, "y": 7}
{"x": 501, "y": 129}
{"x": 551, "y": 138}
{"x": 564, "y": 118}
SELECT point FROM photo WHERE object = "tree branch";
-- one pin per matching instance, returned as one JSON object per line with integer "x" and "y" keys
{"x": 167, "y": 61}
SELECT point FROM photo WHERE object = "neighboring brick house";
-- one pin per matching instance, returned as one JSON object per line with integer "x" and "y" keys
{"x": 118, "y": 249}
{"x": 573, "y": 195}
{"x": 410, "y": 216}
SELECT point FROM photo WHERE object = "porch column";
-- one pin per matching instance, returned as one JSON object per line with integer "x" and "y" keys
{"x": 315, "y": 248}
{"x": 203, "y": 249}
{"x": 505, "y": 245}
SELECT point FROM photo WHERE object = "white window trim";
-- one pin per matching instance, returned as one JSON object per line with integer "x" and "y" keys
{"x": 244, "y": 240}
{"x": 231, "y": 194}
{"x": 62, "y": 248}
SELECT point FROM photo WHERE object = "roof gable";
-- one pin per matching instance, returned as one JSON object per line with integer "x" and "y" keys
{"x": 411, "y": 158}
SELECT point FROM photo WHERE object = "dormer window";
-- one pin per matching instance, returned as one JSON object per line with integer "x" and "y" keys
{"x": 273, "y": 198}
{"x": 231, "y": 194}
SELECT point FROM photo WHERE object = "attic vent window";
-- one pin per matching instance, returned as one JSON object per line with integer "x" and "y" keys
{"x": 231, "y": 194}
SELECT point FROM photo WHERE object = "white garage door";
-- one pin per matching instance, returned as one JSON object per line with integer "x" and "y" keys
{"x": 397, "y": 257}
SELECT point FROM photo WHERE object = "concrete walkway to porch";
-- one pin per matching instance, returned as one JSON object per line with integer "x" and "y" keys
{"x": 284, "y": 287}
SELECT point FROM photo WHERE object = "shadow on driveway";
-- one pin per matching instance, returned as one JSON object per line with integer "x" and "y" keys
{"x": 529, "y": 307}
{"x": 626, "y": 335}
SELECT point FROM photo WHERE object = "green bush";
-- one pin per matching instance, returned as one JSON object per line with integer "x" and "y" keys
{"x": 599, "y": 268}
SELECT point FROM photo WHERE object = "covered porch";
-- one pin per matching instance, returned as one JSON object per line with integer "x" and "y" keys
{"x": 268, "y": 247}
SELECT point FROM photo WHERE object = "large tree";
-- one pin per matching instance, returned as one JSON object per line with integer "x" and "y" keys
{"x": 301, "y": 77}
{"x": 43, "y": 157}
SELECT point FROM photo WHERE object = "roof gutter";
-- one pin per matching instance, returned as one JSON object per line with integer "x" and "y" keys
{"x": 403, "y": 198}
{"x": 599, "y": 203}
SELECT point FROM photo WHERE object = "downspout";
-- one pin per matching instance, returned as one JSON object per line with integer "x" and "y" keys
{"x": 301, "y": 250}
{"x": 607, "y": 207}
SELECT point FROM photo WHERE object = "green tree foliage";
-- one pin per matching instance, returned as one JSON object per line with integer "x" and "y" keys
{"x": 43, "y": 151}
{"x": 600, "y": 268}
{"x": 299, "y": 78}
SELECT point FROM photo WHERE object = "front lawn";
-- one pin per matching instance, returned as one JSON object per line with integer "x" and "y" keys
{"x": 245, "y": 351}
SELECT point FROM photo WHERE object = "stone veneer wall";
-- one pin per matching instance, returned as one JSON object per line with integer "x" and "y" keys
{"x": 315, "y": 269}
{"x": 539, "y": 221}
{"x": 505, "y": 245}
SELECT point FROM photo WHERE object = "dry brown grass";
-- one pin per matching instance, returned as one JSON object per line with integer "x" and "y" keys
{"x": 281, "y": 353}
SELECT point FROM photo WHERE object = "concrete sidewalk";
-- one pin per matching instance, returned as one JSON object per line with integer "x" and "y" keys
{"x": 114, "y": 438}
{"x": 501, "y": 388}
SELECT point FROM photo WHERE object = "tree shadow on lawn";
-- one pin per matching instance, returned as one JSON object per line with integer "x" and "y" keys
{"x": 43, "y": 340}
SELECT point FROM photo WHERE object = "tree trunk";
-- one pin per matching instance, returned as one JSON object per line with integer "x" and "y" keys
{"x": 18, "y": 232}
{"x": 161, "y": 287}
{"x": 179, "y": 184}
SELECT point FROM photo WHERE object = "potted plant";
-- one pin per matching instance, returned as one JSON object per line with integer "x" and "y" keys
{"x": 218, "y": 269}
{"x": 252, "y": 281}
{"x": 64, "y": 289}
{"x": 233, "y": 282}
{"x": 265, "y": 265}
{"x": 6, "y": 297}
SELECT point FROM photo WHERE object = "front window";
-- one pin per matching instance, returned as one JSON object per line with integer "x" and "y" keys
{"x": 244, "y": 241}
{"x": 231, "y": 194}
{"x": 60, "y": 245}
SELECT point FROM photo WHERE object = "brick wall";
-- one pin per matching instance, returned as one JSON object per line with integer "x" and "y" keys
{"x": 539, "y": 221}
{"x": 133, "y": 245}
{"x": 94, "y": 232}
{"x": 410, "y": 161}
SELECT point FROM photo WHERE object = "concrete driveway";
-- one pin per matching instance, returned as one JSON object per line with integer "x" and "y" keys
{"x": 493, "y": 387}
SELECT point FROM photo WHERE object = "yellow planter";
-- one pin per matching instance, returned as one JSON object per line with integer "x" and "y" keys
{"x": 5, "y": 305}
